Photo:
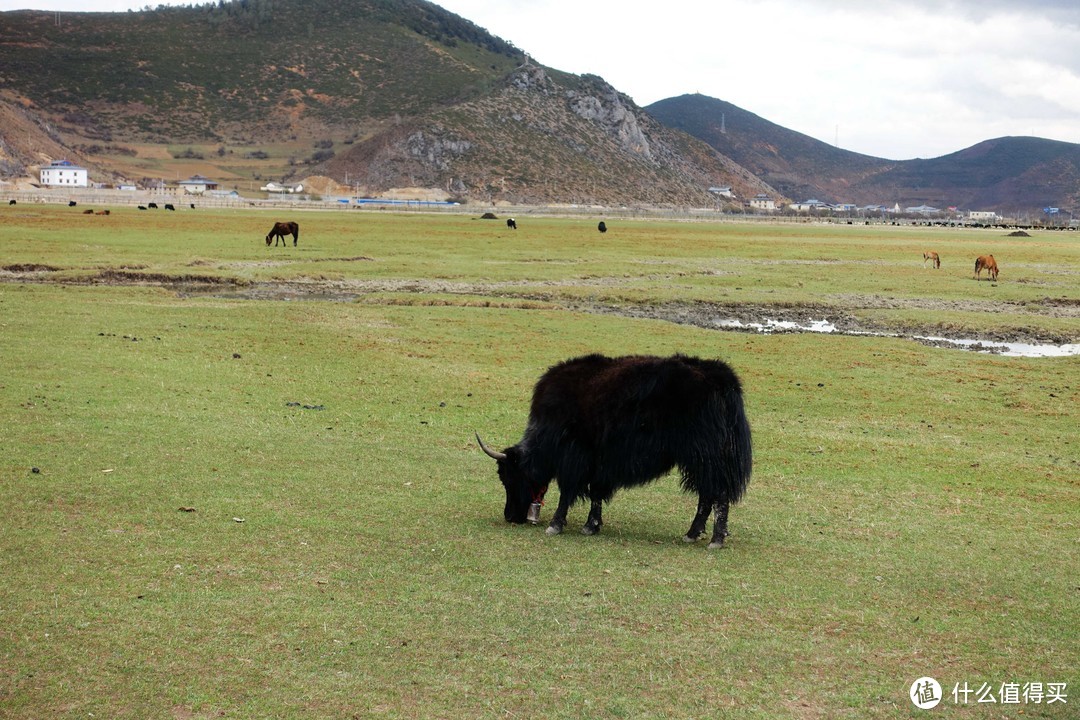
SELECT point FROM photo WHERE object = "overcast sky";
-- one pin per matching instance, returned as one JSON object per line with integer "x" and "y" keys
{"x": 897, "y": 79}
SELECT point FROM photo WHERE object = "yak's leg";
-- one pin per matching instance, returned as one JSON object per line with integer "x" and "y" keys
{"x": 720, "y": 530}
{"x": 592, "y": 525}
{"x": 697, "y": 527}
{"x": 558, "y": 520}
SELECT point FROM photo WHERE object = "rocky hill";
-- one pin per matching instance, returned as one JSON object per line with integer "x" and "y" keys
{"x": 546, "y": 137}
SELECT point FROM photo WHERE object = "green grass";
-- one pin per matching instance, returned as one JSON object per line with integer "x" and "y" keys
{"x": 913, "y": 511}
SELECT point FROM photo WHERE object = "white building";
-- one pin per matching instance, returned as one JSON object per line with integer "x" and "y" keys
{"x": 197, "y": 185}
{"x": 983, "y": 215}
{"x": 811, "y": 205}
{"x": 761, "y": 201}
{"x": 62, "y": 173}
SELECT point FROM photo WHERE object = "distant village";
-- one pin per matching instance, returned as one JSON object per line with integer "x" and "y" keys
{"x": 65, "y": 174}
{"x": 762, "y": 202}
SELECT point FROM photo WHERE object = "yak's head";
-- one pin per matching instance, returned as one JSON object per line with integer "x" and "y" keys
{"x": 268, "y": 238}
{"x": 521, "y": 490}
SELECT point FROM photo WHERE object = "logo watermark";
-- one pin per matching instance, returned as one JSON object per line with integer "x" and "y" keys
{"x": 926, "y": 693}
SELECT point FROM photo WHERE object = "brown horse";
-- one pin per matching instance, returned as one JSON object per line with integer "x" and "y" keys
{"x": 987, "y": 263}
{"x": 280, "y": 230}
{"x": 932, "y": 257}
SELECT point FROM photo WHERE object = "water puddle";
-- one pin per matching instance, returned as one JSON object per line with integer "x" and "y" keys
{"x": 1007, "y": 349}
{"x": 768, "y": 326}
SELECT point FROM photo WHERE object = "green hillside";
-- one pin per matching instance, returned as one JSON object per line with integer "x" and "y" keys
{"x": 237, "y": 71}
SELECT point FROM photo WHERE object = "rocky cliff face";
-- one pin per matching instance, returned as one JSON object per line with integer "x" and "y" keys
{"x": 614, "y": 114}
{"x": 545, "y": 138}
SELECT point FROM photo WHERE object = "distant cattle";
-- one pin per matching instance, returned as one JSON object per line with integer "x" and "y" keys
{"x": 280, "y": 230}
{"x": 142, "y": 207}
{"x": 511, "y": 223}
{"x": 932, "y": 257}
{"x": 598, "y": 424}
{"x": 152, "y": 206}
{"x": 102, "y": 212}
{"x": 192, "y": 206}
{"x": 169, "y": 206}
{"x": 11, "y": 202}
{"x": 987, "y": 263}
{"x": 602, "y": 227}
{"x": 72, "y": 203}
{"x": 87, "y": 212}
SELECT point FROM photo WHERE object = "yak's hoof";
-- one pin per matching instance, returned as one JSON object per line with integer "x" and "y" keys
{"x": 553, "y": 530}
{"x": 690, "y": 538}
{"x": 590, "y": 529}
{"x": 716, "y": 545}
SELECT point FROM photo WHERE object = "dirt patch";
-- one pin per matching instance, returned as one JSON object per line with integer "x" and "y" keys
{"x": 29, "y": 268}
{"x": 128, "y": 277}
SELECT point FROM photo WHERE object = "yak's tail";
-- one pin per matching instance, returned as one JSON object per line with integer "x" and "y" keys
{"x": 720, "y": 458}
{"x": 738, "y": 446}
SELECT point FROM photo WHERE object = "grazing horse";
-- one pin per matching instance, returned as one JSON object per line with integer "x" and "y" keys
{"x": 280, "y": 230}
{"x": 987, "y": 263}
{"x": 932, "y": 257}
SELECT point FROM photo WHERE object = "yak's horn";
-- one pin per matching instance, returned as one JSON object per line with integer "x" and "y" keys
{"x": 490, "y": 453}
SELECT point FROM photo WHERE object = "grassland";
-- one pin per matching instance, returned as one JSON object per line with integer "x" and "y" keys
{"x": 219, "y": 504}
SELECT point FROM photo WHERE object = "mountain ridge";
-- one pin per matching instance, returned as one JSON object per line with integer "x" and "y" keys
{"x": 997, "y": 174}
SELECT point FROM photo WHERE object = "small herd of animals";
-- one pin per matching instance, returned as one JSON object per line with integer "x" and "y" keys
{"x": 983, "y": 262}
{"x": 281, "y": 229}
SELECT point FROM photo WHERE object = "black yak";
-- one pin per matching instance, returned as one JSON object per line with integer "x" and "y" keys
{"x": 152, "y": 206}
{"x": 602, "y": 227}
{"x": 511, "y": 223}
{"x": 598, "y": 424}
{"x": 170, "y": 206}
{"x": 280, "y": 230}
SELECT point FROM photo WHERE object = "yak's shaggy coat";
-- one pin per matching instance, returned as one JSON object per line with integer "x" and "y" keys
{"x": 598, "y": 424}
